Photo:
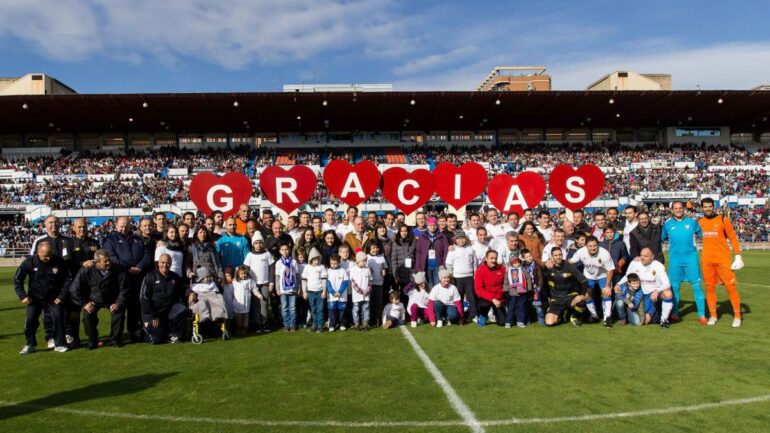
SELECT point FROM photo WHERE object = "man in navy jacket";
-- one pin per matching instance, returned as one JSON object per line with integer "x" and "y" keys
{"x": 128, "y": 254}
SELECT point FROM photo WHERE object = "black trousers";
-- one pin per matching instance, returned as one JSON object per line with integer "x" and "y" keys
{"x": 55, "y": 312}
{"x": 375, "y": 305}
{"x": 484, "y": 307}
{"x": 465, "y": 287}
{"x": 166, "y": 326}
{"x": 91, "y": 323}
{"x": 133, "y": 314}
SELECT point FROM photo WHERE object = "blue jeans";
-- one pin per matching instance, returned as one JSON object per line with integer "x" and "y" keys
{"x": 364, "y": 311}
{"x": 316, "y": 308}
{"x": 336, "y": 314}
{"x": 517, "y": 307}
{"x": 431, "y": 275}
{"x": 445, "y": 312}
{"x": 289, "y": 310}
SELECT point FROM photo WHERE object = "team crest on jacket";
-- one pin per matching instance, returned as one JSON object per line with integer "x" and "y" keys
{"x": 653, "y": 273}
{"x": 687, "y": 226}
{"x": 566, "y": 274}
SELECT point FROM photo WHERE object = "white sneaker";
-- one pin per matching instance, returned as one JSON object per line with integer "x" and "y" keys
{"x": 173, "y": 339}
{"x": 439, "y": 323}
{"x": 448, "y": 323}
{"x": 414, "y": 324}
{"x": 712, "y": 321}
{"x": 342, "y": 328}
{"x": 61, "y": 349}
{"x": 507, "y": 326}
{"x": 419, "y": 321}
{"x": 521, "y": 325}
{"x": 51, "y": 344}
{"x": 26, "y": 350}
{"x": 332, "y": 329}
{"x": 737, "y": 323}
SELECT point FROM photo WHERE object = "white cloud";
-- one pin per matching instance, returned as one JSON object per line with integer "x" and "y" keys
{"x": 722, "y": 66}
{"x": 434, "y": 61}
{"x": 232, "y": 34}
{"x": 61, "y": 29}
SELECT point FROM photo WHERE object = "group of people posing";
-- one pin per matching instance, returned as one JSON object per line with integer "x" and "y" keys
{"x": 257, "y": 275}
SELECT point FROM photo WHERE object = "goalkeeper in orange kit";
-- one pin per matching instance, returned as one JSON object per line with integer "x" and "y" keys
{"x": 717, "y": 229}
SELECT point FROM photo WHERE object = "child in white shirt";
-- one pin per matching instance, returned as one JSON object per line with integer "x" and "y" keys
{"x": 394, "y": 313}
{"x": 418, "y": 294}
{"x": 314, "y": 277}
{"x": 445, "y": 299}
{"x": 361, "y": 284}
{"x": 243, "y": 289}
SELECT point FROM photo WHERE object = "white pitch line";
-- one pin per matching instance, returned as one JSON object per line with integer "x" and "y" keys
{"x": 454, "y": 399}
{"x": 752, "y": 284}
{"x": 393, "y": 424}
{"x": 646, "y": 412}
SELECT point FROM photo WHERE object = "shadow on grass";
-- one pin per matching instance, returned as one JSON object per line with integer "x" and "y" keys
{"x": 113, "y": 388}
{"x": 688, "y": 307}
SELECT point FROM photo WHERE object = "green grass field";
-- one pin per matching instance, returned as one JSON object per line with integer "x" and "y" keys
{"x": 689, "y": 378}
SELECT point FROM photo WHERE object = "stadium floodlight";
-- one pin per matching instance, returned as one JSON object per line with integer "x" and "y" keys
{"x": 720, "y": 100}
{"x": 612, "y": 101}
{"x": 461, "y": 116}
{"x": 617, "y": 115}
{"x": 235, "y": 104}
{"x": 588, "y": 119}
{"x": 689, "y": 118}
{"x": 764, "y": 119}
{"x": 325, "y": 103}
{"x": 497, "y": 102}
{"x": 145, "y": 105}
{"x": 24, "y": 106}
{"x": 130, "y": 119}
{"x": 412, "y": 102}
{"x": 299, "y": 117}
{"x": 50, "y": 125}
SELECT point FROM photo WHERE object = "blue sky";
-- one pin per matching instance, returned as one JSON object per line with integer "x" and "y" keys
{"x": 110, "y": 46}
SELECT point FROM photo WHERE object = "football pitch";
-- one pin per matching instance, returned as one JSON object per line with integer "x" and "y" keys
{"x": 689, "y": 378}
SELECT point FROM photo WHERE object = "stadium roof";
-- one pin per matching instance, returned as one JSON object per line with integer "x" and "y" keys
{"x": 381, "y": 111}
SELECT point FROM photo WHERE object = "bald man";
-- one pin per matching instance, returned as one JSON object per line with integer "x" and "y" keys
{"x": 128, "y": 254}
{"x": 48, "y": 280}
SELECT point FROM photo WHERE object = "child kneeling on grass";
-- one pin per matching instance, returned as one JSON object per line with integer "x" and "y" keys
{"x": 633, "y": 296}
{"x": 394, "y": 313}
{"x": 361, "y": 283}
{"x": 444, "y": 301}
{"x": 418, "y": 294}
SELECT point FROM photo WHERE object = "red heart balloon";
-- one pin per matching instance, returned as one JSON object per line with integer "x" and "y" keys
{"x": 210, "y": 192}
{"x": 576, "y": 188}
{"x": 288, "y": 189}
{"x": 509, "y": 194}
{"x": 352, "y": 184}
{"x": 459, "y": 185}
{"x": 408, "y": 191}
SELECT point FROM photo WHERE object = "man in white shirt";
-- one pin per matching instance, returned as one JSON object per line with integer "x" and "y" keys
{"x": 558, "y": 240}
{"x": 655, "y": 285}
{"x": 544, "y": 224}
{"x": 344, "y": 229}
{"x": 598, "y": 269}
{"x": 513, "y": 223}
{"x": 330, "y": 222}
{"x": 630, "y": 223}
{"x": 495, "y": 230}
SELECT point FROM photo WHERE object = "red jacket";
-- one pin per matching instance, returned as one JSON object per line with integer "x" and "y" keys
{"x": 489, "y": 282}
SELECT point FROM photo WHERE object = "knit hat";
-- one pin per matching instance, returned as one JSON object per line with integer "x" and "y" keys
{"x": 314, "y": 254}
{"x": 432, "y": 220}
{"x": 443, "y": 272}
{"x": 257, "y": 237}
{"x": 360, "y": 256}
{"x": 460, "y": 234}
{"x": 419, "y": 278}
{"x": 202, "y": 273}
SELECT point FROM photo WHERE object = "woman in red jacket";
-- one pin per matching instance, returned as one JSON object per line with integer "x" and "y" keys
{"x": 489, "y": 288}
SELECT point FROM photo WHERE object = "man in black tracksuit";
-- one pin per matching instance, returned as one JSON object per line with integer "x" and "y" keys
{"x": 83, "y": 249}
{"x": 163, "y": 312}
{"x": 567, "y": 287}
{"x": 128, "y": 254}
{"x": 96, "y": 287}
{"x": 62, "y": 248}
{"x": 49, "y": 279}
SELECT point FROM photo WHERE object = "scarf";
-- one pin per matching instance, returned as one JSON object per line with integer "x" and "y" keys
{"x": 174, "y": 245}
{"x": 288, "y": 276}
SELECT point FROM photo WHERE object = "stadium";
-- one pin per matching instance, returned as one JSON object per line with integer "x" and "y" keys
{"x": 82, "y": 174}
